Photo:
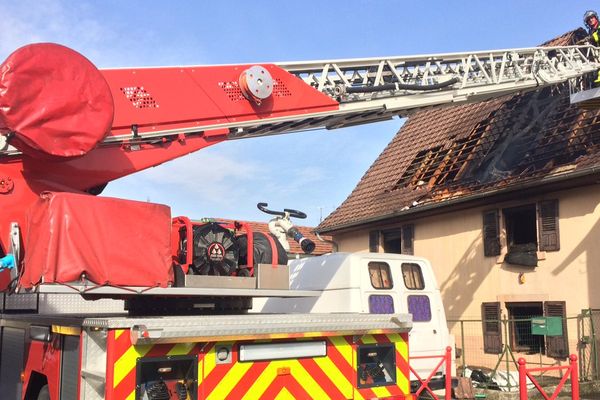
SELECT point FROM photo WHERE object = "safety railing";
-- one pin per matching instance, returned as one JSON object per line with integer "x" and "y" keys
{"x": 446, "y": 360}
{"x": 570, "y": 371}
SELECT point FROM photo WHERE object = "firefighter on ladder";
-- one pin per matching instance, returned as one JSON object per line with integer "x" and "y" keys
{"x": 590, "y": 18}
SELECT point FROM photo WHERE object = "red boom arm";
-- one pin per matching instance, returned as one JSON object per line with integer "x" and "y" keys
{"x": 70, "y": 127}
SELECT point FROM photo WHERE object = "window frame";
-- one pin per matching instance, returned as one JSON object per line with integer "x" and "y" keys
{"x": 379, "y": 265}
{"x": 509, "y": 215}
{"x": 392, "y": 235}
{"x": 420, "y": 276}
{"x": 516, "y": 325}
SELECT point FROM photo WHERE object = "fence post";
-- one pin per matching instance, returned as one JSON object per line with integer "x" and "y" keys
{"x": 522, "y": 379}
{"x": 506, "y": 344}
{"x": 462, "y": 343}
{"x": 594, "y": 349}
{"x": 448, "y": 358}
{"x": 574, "y": 377}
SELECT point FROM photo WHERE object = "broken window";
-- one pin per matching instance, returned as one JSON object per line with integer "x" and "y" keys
{"x": 523, "y": 225}
{"x": 521, "y": 235}
{"x": 392, "y": 241}
{"x": 396, "y": 241}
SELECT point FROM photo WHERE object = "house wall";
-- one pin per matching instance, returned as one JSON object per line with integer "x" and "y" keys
{"x": 453, "y": 243}
{"x": 353, "y": 242}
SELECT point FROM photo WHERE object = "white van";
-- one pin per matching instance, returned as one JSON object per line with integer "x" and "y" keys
{"x": 377, "y": 283}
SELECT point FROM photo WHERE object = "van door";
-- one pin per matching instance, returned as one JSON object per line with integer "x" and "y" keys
{"x": 422, "y": 299}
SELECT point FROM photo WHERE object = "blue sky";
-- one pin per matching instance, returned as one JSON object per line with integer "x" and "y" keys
{"x": 310, "y": 171}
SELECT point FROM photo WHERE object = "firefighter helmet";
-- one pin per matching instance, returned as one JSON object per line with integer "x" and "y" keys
{"x": 589, "y": 14}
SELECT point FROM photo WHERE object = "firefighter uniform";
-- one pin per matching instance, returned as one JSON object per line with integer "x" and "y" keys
{"x": 590, "y": 18}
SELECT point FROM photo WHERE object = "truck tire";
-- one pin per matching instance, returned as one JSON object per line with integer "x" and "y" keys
{"x": 44, "y": 393}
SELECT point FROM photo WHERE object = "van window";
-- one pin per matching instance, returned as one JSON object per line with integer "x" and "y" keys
{"x": 381, "y": 304}
{"x": 381, "y": 278}
{"x": 413, "y": 277}
{"x": 420, "y": 307}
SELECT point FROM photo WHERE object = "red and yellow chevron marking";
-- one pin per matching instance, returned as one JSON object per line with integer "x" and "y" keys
{"x": 333, "y": 376}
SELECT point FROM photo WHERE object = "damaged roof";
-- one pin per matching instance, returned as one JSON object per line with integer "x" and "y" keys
{"x": 457, "y": 151}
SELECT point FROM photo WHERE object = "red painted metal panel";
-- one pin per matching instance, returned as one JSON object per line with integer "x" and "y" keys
{"x": 44, "y": 358}
{"x": 177, "y": 98}
{"x": 157, "y": 97}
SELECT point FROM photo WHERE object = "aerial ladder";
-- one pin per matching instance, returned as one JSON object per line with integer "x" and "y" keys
{"x": 68, "y": 127}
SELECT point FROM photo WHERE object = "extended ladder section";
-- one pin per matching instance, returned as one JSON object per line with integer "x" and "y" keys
{"x": 372, "y": 89}
{"x": 369, "y": 88}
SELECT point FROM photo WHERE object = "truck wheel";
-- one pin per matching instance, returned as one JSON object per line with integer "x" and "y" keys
{"x": 44, "y": 393}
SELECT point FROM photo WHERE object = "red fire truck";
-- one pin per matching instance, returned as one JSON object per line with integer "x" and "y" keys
{"x": 110, "y": 298}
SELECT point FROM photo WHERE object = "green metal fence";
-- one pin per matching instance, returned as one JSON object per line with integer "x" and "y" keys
{"x": 589, "y": 343}
{"x": 516, "y": 340}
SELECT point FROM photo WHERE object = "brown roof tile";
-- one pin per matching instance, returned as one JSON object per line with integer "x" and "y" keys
{"x": 449, "y": 152}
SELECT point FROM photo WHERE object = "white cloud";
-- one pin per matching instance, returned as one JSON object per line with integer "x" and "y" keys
{"x": 27, "y": 22}
{"x": 97, "y": 32}
{"x": 195, "y": 166}
{"x": 308, "y": 175}
{"x": 209, "y": 177}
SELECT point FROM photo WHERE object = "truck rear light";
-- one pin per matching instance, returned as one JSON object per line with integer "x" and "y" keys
{"x": 376, "y": 365}
{"x": 280, "y": 351}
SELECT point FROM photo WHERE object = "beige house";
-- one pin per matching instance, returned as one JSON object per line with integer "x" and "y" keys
{"x": 503, "y": 197}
